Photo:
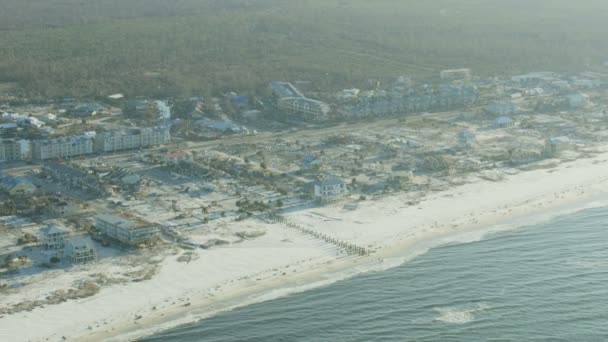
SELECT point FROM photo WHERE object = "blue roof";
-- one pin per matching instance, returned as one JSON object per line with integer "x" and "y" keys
{"x": 309, "y": 158}
{"x": 10, "y": 181}
{"x": 240, "y": 100}
{"x": 504, "y": 120}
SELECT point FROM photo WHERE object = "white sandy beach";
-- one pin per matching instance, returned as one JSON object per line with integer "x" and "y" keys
{"x": 285, "y": 261}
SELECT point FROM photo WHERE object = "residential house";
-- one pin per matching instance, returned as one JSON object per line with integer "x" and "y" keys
{"x": 330, "y": 189}
{"x": 128, "y": 231}
{"x": 16, "y": 186}
{"x": 80, "y": 251}
{"x": 53, "y": 237}
{"x": 62, "y": 207}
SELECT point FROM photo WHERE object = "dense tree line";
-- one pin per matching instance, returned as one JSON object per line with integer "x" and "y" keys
{"x": 197, "y": 47}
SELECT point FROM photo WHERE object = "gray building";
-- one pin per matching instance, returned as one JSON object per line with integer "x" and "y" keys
{"x": 53, "y": 237}
{"x": 308, "y": 108}
{"x": 284, "y": 89}
{"x": 80, "y": 251}
{"x": 126, "y": 230}
{"x": 132, "y": 139}
{"x": 12, "y": 149}
{"x": 62, "y": 207}
{"x": 74, "y": 178}
{"x": 63, "y": 147}
{"x": 330, "y": 189}
{"x": 291, "y": 100}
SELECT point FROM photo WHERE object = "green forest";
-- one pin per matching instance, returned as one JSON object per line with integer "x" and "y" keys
{"x": 90, "y": 48}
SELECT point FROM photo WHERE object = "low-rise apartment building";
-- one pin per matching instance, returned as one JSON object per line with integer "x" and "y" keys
{"x": 132, "y": 139}
{"x": 126, "y": 230}
{"x": 12, "y": 149}
{"x": 63, "y": 147}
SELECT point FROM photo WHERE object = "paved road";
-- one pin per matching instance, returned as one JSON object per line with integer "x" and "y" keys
{"x": 247, "y": 139}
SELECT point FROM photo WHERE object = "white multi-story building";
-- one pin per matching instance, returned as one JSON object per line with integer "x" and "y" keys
{"x": 131, "y": 139}
{"x": 331, "y": 189}
{"x": 455, "y": 74}
{"x": 128, "y": 231}
{"x": 63, "y": 147}
{"x": 308, "y": 108}
{"x": 12, "y": 149}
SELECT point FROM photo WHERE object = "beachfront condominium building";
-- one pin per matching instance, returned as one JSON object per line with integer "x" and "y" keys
{"x": 126, "y": 230}
{"x": 284, "y": 89}
{"x": 63, "y": 147}
{"x": 330, "y": 189}
{"x": 291, "y": 100}
{"x": 13, "y": 149}
{"x": 455, "y": 75}
{"x": 309, "y": 109}
{"x": 132, "y": 139}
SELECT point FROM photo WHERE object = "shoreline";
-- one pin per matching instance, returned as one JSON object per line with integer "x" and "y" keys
{"x": 461, "y": 214}
{"x": 384, "y": 260}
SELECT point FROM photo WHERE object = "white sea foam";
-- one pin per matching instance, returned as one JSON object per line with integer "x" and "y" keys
{"x": 458, "y": 315}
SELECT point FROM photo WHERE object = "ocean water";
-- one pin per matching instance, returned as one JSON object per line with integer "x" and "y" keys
{"x": 546, "y": 282}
